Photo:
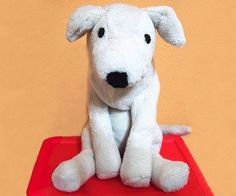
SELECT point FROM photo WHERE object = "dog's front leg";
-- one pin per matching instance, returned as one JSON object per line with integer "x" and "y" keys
{"x": 137, "y": 162}
{"x": 107, "y": 156}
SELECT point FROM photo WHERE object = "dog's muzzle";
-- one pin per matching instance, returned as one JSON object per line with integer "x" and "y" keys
{"x": 117, "y": 79}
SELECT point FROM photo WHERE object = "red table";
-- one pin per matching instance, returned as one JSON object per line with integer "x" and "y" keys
{"x": 56, "y": 149}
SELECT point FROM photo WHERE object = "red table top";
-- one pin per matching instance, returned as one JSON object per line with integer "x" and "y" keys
{"x": 57, "y": 149}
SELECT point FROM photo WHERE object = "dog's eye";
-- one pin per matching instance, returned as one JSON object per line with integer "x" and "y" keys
{"x": 101, "y": 32}
{"x": 147, "y": 38}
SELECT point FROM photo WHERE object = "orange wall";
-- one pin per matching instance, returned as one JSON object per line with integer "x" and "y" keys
{"x": 43, "y": 84}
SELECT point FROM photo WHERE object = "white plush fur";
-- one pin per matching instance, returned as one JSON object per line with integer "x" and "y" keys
{"x": 122, "y": 135}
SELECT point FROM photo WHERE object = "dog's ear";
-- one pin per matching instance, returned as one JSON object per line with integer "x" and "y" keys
{"x": 82, "y": 20}
{"x": 167, "y": 24}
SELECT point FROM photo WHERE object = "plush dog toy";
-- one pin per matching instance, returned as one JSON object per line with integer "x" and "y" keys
{"x": 123, "y": 93}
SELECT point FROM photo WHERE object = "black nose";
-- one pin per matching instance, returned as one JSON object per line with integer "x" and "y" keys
{"x": 117, "y": 79}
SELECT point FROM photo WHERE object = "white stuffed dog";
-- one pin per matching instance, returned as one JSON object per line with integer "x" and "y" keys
{"x": 122, "y": 135}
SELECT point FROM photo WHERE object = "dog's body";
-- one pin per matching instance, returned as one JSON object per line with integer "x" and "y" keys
{"x": 123, "y": 93}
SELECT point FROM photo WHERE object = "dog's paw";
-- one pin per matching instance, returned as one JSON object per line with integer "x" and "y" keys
{"x": 107, "y": 175}
{"x": 135, "y": 178}
{"x": 172, "y": 176}
{"x": 65, "y": 177}
{"x": 136, "y": 182}
{"x": 109, "y": 168}
{"x": 136, "y": 173}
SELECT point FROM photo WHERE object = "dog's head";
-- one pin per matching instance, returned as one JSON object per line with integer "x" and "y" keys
{"x": 122, "y": 38}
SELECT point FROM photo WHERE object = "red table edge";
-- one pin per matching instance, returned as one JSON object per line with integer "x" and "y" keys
{"x": 192, "y": 164}
{"x": 33, "y": 185}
